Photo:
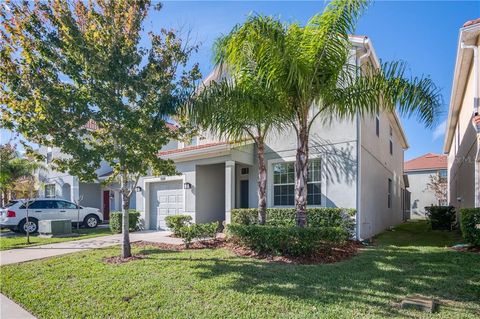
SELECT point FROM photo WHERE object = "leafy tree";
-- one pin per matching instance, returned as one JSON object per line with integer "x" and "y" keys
{"x": 76, "y": 76}
{"x": 238, "y": 107}
{"x": 438, "y": 185}
{"x": 312, "y": 68}
{"x": 14, "y": 169}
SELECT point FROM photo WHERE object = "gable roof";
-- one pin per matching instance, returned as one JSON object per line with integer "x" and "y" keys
{"x": 427, "y": 162}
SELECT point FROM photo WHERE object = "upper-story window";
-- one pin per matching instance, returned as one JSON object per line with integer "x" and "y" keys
{"x": 442, "y": 173}
{"x": 49, "y": 155}
{"x": 389, "y": 193}
{"x": 284, "y": 183}
{"x": 50, "y": 190}
{"x": 377, "y": 124}
{"x": 391, "y": 141}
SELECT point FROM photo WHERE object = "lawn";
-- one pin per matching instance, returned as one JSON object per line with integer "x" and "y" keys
{"x": 20, "y": 241}
{"x": 217, "y": 284}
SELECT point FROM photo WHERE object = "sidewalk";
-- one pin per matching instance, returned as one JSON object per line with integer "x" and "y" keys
{"x": 13, "y": 256}
{"x": 10, "y": 310}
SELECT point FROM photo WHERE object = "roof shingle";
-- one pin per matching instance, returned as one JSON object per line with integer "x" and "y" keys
{"x": 471, "y": 22}
{"x": 428, "y": 161}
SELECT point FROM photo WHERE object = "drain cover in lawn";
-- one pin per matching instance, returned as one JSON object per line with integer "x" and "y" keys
{"x": 419, "y": 303}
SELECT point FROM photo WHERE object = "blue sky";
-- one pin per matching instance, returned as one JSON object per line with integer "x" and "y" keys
{"x": 422, "y": 33}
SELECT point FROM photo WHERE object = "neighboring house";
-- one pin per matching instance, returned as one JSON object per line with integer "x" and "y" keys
{"x": 420, "y": 171}
{"x": 462, "y": 138}
{"x": 353, "y": 164}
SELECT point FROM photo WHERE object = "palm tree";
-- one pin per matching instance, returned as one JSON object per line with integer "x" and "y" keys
{"x": 238, "y": 107}
{"x": 311, "y": 67}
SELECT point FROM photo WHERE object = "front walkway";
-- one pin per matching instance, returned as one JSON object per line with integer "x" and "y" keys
{"x": 13, "y": 256}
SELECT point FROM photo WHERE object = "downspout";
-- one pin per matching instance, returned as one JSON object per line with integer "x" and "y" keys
{"x": 358, "y": 218}
{"x": 476, "y": 118}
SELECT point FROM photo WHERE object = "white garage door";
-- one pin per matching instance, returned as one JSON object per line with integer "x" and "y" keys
{"x": 166, "y": 198}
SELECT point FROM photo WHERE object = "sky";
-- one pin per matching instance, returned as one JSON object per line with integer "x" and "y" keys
{"x": 424, "y": 34}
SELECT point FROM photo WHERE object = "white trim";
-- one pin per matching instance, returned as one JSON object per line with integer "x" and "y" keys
{"x": 146, "y": 194}
{"x": 291, "y": 159}
{"x": 211, "y": 151}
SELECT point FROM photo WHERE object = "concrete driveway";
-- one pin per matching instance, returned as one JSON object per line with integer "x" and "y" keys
{"x": 19, "y": 255}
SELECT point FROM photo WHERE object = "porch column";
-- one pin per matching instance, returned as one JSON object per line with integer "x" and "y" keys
{"x": 75, "y": 189}
{"x": 229, "y": 190}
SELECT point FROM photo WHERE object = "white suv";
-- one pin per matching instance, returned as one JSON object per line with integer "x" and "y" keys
{"x": 14, "y": 214}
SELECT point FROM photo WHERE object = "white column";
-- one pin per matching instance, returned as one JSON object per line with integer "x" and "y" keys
{"x": 229, "y": 190}
{"x": 75, "y": 189}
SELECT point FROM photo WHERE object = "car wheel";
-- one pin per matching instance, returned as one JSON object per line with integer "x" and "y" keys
{"x": 31, "y": 226}
{"x": 91, "y": 221}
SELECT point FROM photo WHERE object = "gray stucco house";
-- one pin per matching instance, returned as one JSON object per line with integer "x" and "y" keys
{"x": 419, "y": 171}
{"x": 353, "y": 164}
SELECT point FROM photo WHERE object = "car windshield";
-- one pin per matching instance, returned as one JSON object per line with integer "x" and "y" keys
{"x": 10, "y": 203}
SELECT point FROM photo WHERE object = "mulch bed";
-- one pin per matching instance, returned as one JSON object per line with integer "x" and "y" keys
{"x": 468, "y": 249}
{"x": 334, "y": 255}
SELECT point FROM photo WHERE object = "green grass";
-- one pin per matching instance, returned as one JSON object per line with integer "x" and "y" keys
{"x": 217, "y": 284}
{"x": 20, "y": 241}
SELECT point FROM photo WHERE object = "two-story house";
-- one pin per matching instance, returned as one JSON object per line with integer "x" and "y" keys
{"x": 353, "y": 164}
{"x": 420, "y": 172}
{"x": 462, "y": 138}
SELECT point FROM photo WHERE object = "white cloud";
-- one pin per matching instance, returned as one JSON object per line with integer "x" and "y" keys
{"x": 439, "y": 130}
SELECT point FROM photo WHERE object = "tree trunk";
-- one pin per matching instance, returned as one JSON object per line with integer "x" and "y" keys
{"x": 126, "y": 249}
{"x": 301, "y": 175}
{"x": 262, "y": 182}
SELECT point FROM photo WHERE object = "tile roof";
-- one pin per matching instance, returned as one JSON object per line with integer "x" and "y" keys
{"x": 191, "y": 148}
{"x": 471, "y": 22}
{"x": 428, "y": 161}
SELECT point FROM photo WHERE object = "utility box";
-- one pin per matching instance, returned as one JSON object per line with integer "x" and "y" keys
{"x": 55, "y": 228}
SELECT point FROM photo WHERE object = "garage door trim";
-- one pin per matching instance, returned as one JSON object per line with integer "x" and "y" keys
{"x": 146, "y": 197}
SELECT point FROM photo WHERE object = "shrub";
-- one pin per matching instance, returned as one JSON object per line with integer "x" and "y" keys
{"x": 469, "y": 224}
{"x": 198, "y": 231}
{"x": 316, "y": 217}
{"x": 441, "y": 217}
{"x": 175, "y": 222}
{"x": 286, "y": 240}
{"x": 116, "y": 221}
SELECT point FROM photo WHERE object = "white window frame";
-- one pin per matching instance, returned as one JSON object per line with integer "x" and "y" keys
{"x": 54, "y": 190}
{"x": 390, "y": 146}
{"x": 270, "y": 163}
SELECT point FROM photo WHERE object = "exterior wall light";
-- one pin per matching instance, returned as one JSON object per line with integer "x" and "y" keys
{"x": 138, "y": 189}
{"x": 187, "y": 185}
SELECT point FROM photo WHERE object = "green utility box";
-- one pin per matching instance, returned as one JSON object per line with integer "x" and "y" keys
{"x": 55, "y": 228}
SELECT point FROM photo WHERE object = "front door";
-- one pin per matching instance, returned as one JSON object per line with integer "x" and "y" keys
{"x": 244, "y": 194}
{"x": 106, "y": 205}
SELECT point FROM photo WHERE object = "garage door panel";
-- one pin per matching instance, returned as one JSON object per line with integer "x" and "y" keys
{"x": 166, "y": 198}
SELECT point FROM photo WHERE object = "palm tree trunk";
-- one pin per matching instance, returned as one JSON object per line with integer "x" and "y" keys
{"x": 262, "y": 182}
{"x": 126, "y": 249}
{"x": 301, "y": 175}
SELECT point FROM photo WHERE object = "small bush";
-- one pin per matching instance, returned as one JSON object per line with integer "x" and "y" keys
{"x": 469, "y": 224}
{"x": 116, "y": 221}
{"x": 176, "y": 222}
{"x": 286, "y": 240}
{"x": 198, "y": 231}
{"x": 441, "y": 217}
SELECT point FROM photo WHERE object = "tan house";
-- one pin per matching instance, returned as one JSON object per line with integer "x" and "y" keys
{"x": 462, "y": 138}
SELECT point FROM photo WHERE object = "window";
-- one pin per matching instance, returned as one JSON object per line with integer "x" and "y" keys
{"x": 41, "y": 204}
{"x": 61, "y": 204}
{"x": 49, "y": 155}
{"x": 377, "y": 124}
{"x": 389, "y": 196}
{"x": 50, "y": 190}
{"x": 244, "y": 171}
{"x": 314, "y": 195}
{"x": 443, "y": 173}
{"x": 391, "y": 141}
{"x": 284, "y": 184}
